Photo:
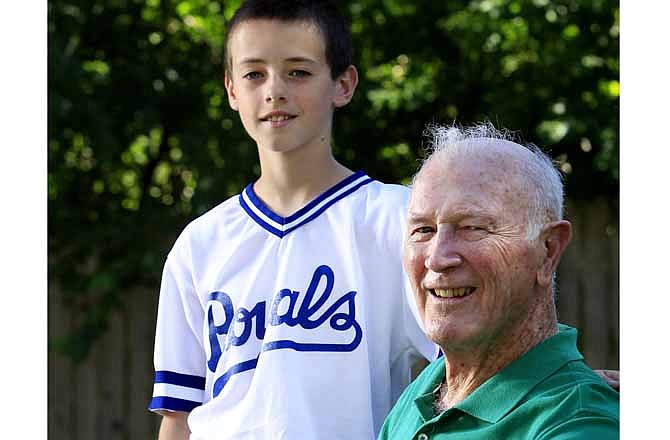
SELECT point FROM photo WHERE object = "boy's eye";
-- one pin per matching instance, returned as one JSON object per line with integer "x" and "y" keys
{"x": 299, "y": 73}
{"x": 252, "y": 75}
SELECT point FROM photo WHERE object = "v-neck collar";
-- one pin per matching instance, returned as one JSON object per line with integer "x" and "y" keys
{"x": 280, "y": 226}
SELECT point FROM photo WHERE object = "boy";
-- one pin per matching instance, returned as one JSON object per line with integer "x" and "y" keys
{"x": 284, "y": 312}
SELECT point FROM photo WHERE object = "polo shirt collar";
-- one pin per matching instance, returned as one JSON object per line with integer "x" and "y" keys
{"x": 492, "y": 400}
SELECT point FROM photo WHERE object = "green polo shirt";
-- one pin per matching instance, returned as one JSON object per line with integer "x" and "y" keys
{"x": 548, "y": 393}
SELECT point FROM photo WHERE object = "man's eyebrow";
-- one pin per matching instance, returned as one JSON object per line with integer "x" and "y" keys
{"x": 417, "y": 217}
{"x": 466, "y": 213}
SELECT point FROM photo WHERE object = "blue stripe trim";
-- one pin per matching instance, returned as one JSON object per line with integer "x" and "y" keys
{"x": 285, "y": 220}
{"x": 327, "y": 205}
{"x": 184, "y": 380}
{"x": 235, "y": 369}
{"x": 297, "y": 346}
{"x": 173, "y": 404}
{"x": 346, "y": 181}
{"x": 261, "y": 206}
{"x": 259, "y": 220}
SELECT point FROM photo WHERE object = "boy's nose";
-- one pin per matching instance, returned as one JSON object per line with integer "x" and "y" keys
{"x": 276, "y": 90}
{"x": 275, "y": 97}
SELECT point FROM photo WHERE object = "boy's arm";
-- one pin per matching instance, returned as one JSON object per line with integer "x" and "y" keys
{"x": 173, "y": 426}
{"x": 179, "y": 357}
{"x": 611, "y": 377}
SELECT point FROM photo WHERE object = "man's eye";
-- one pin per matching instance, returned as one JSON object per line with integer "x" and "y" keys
{"x": 472, "y": 232}
{"x": 473, "y": 228}
{"x": 299, "y": 73}
{"x": 423, "y": 230}
{"x": 252, "y": 75}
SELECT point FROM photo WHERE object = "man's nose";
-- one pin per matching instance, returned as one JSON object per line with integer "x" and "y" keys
{"x": 443, "y": 253}
{"x": 276, "y": 90}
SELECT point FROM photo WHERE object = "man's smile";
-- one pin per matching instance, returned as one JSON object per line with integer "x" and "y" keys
{"x": 457, "y": 292}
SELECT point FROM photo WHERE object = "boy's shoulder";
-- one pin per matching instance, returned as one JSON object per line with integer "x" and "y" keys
{"x": 212, "y": 223}
{"x": 388, "y": 193}
{"x": 215, "y": 215}
{"x": 379, "y": 203}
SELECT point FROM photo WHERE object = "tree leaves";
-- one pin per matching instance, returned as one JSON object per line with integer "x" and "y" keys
{"x": 141, "y": 138}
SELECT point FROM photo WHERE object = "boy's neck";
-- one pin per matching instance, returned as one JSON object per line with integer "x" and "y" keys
{"x": 289, "y": 181}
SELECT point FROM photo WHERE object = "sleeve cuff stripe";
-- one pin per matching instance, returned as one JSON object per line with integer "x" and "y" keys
{"x": 172, "y": 404}
{"x": 185, "y": 380}
{"x": 178, "y": 392}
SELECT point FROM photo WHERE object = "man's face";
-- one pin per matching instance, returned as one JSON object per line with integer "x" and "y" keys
{"x": 471, "y": 267}
{"x": 281, "y": 84}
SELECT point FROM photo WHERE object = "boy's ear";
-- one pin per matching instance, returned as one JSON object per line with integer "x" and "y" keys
{"x": 345, "y": 85}
{"x": 230, "y": 90}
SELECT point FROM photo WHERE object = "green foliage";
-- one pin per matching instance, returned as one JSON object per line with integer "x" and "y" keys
{"x": 141, "y": 138}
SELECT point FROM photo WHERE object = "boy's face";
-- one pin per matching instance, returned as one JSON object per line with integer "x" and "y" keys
{"x": 280, "y": 83}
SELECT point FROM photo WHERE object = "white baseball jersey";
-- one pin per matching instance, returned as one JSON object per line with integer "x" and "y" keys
{"x": 301, "y": 327}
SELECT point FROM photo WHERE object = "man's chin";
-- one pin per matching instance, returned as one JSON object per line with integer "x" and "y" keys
{"x": 452, "y": 336}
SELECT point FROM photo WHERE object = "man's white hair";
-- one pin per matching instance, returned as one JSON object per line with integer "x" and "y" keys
{"x": 542, "y": 179}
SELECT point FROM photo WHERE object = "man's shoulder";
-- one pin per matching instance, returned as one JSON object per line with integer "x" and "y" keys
{"x": 575, "y": 375}
{"x": 588, "y": 410}
{"x": 574, "y": 398}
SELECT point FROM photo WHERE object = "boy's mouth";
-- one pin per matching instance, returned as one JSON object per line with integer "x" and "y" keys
{"x": 277, "y": 117}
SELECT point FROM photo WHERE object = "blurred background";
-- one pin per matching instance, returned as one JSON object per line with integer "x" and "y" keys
{"x": 141, "y": 141}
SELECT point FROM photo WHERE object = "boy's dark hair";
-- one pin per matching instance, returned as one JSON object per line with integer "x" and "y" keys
{"x": 323, "y": 13}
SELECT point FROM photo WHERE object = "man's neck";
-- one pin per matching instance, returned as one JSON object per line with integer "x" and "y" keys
{"x": 469, "y": 367}
{"x": 290, "y": 180}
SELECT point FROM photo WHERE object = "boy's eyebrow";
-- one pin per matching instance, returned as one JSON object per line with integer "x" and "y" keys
{"x": 291, "y": 59}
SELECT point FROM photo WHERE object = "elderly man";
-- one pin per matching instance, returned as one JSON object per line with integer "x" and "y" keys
{"x": 485, "y": 235}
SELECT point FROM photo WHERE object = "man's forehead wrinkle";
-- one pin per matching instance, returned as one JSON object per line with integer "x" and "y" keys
{"x": 499, "y": 166}
{"x": 468, "y": 209}
{"x": 425, "y": 205}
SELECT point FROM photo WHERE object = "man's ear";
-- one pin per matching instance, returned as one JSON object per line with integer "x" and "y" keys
{"x": 230, "y": 90}
{"x": 345, "y": 85}
{"x": 554, "y": 238}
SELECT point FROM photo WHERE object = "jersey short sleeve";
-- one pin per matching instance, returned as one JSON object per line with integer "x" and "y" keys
{"x": 179, "y": 359}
